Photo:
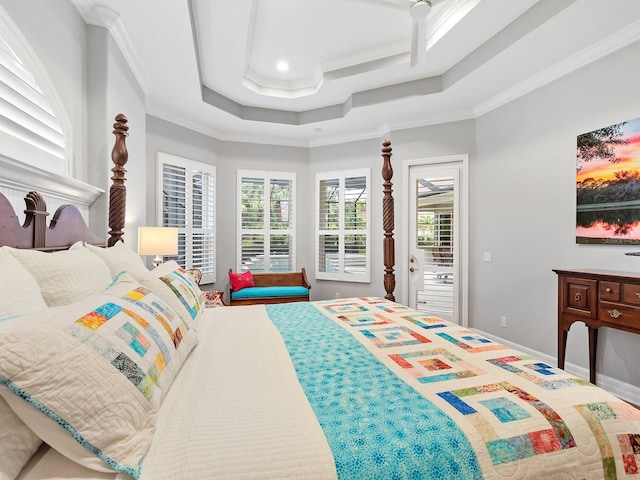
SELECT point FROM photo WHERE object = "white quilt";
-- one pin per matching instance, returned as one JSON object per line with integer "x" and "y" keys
{"x": 208, "y": 426}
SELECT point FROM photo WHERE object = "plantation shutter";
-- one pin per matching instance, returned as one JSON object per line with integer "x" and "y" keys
{"x": 27, "y": 121}
{"x": 342, "y": 231}
{"x": 266, "y": 221}
{"x": 188, "y": 204}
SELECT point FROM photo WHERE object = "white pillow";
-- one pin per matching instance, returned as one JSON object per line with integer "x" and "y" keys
{"x": 118, "y": 258}
{"x": 17, "y": 442}
{"x": 65, "y": 276}
{"x": 19, "y": 293}
{"x": 176, "y": 286}
{"x": 89, "y": 377}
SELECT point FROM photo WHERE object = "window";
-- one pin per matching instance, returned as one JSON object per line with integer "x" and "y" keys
{"x": 28, "y": 126}
{"x": 342, "y": 235}
{"x": 266, "y": 221}
{"x": 188, "y": 202}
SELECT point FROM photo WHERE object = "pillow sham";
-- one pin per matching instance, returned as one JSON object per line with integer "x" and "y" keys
{"x": 65, "y": 276}
{"x": 17, "y": 443}
{"x": 19, "y": 291}
{"x": 176, "y": 286}
{"x": 19, "y": 294}
{"x": 241, "y": 280}
{"x": 88, "y": 377}
{"x": 119, "y": 257}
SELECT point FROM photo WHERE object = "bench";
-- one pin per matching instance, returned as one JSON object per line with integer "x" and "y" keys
{"x": 276, "y": 287}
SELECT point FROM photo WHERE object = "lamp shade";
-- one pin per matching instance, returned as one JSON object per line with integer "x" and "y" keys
{"x": 157, "y": 241}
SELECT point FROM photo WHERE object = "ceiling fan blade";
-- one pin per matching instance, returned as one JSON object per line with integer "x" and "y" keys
{"x": 393, "y": 4}
{"x": 418, "y": 39}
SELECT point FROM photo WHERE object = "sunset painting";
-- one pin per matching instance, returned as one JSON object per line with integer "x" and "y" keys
{"x": 608, "y": 185}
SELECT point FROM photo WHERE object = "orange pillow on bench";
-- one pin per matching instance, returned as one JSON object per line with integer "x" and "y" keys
{"x": 241, "y": 280}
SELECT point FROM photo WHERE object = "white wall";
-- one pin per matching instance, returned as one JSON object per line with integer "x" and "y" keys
{"x": 112, "y": 89}
{"x": 523, "y": 210}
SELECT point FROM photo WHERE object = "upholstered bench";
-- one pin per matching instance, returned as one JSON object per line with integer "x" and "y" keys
{"x": 280, "y": 287}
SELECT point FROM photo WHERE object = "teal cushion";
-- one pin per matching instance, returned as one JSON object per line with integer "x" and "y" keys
{"x": 261, "y": 292}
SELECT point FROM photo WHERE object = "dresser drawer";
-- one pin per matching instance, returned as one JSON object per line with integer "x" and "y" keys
{"x": 619, "y": 315}
{"x": 631, "y": 294}
{"x": 580, "y": 297}
{"x": 609, "y": 291}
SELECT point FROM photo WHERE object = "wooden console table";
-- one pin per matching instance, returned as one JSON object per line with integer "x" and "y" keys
{"x": 599, "y": 298}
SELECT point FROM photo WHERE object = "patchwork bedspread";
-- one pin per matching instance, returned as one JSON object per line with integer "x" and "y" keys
{"x": 448, "y": 403}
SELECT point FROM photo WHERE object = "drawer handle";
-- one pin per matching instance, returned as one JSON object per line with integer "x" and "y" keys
{"x": 578, "y": 297}
{"x": 615, "y": 313}
{"x": 638, "y": 294}
{"x": 608, "y": 290}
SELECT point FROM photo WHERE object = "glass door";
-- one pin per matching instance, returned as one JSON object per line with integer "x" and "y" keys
{"x": 434, "y": 265}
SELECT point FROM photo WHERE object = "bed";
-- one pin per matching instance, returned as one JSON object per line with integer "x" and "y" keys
{"x": 124, "y": 372}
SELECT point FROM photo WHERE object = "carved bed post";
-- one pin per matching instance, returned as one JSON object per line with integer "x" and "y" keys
{"x": 36, "y": 216}
{"x": 118, "y": 191}
{"x": 388, "y": 223}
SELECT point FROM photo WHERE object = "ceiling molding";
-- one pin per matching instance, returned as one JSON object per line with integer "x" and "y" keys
{"x": 104, "y": 17}
{"x": 588, "y": 55}
{"x": 420, "y": 87}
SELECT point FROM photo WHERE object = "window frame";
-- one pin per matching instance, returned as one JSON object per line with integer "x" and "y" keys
{"x": 341, "y": 275}
{"x": 188, "y": 230}
{"x": 266, "y": 231}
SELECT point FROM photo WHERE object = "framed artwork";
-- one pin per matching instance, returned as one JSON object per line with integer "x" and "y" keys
{"x": 608, "y": 185}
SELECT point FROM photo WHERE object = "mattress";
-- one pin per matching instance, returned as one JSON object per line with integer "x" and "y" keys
{"x": 366, "y": 388}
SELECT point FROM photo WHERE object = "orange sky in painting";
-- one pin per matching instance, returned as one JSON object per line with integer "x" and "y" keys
{"x": 629, "y": 159}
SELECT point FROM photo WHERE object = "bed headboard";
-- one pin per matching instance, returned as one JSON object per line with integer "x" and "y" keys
{"x": 67, "y": 225}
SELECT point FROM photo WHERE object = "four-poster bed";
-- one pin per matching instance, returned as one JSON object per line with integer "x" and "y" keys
{"x": 136, "y": 378}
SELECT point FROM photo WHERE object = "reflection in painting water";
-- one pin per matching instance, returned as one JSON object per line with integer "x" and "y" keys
{"x": 611, "y": 226}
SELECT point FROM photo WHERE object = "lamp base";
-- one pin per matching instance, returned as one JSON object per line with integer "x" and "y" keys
{"x": 157, "y": 261}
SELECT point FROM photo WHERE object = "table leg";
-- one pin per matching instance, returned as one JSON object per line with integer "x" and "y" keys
{"x": 562, "y": 346}
{"x": 593, "y": 347}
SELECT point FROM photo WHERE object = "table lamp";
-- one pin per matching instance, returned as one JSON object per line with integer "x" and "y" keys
{"x": 157, "y": 241}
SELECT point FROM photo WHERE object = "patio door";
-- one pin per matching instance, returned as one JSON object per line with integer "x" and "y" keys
{"x": 434, "y": 238}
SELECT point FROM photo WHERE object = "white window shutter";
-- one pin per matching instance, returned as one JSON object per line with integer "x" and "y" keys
{"x": 342, "y": 229}
{"x": 188, "y": 203}
{"x": 266, "y": 221}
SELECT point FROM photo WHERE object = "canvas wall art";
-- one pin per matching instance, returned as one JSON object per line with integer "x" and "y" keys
{"x": 608, "y": 185}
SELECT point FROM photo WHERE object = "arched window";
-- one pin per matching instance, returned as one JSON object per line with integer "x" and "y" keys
{"x": 29, "y": 129}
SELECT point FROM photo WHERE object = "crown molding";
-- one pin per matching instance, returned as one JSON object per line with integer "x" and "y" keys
{"x": 104, "y": 17}
{"x": 588, "y": 55}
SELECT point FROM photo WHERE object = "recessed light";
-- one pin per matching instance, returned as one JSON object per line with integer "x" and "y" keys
{"x": 282, "y": 66}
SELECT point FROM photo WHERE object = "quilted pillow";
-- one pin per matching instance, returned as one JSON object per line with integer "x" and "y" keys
{"x": 118, "y": 258}
{"x": 241, "y": 280}
{"x": 65, "y": 276}
{"x": 88, "y": 377}
{"x": 19, "y": 294}
{"x": 176, "y": 286}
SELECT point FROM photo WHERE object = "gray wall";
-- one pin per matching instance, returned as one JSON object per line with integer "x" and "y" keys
{"x": 523, "y": 210}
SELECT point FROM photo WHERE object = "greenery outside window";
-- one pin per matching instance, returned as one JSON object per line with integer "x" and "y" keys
{"x": 343, "y": 226}
{"x": 266, "y": 221}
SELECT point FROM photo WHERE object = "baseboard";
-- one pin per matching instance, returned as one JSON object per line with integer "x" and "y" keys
{"x": 625, "y": 391}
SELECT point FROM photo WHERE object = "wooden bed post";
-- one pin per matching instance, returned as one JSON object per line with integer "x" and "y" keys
{"x": 36, "y": 216}
{"x": 388, "y": 223}
{"x": 118, "y": 191}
